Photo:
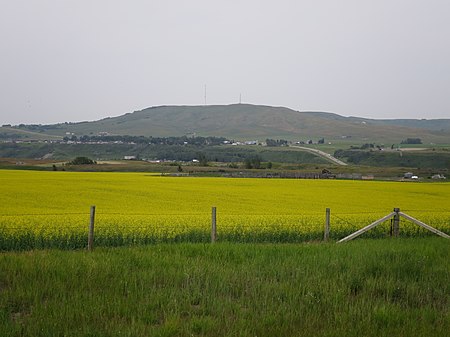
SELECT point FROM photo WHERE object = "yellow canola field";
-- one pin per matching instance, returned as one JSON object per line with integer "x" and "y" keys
{"x": 38, "y": 208}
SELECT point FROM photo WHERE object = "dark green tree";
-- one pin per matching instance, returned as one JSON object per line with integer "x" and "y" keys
{"x": 412, "y": 141}
{"x": 82, "y": 161}
{"x": 253, "y": 162}
{"x": 203, "y": 161}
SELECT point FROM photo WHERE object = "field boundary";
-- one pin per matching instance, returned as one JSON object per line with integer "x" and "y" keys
{"x": 307, "y": 227}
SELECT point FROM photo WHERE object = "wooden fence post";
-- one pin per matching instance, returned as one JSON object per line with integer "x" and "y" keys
{"x": 326, "y": 232}
{"x": 213, "y": 225}
{"x": 91, "y": 230}
{"x": 396, "y": 222}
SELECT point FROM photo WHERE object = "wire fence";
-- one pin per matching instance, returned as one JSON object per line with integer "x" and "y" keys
{"x": 70, "y": 230}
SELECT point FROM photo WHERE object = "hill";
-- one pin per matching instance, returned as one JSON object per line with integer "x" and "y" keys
{"x": 245, "y": 121}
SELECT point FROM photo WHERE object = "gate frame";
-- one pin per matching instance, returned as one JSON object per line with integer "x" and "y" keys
{"x": 396, "y": 215}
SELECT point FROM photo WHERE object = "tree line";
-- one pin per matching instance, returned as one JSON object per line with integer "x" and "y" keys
{"x": 183, "y": 140}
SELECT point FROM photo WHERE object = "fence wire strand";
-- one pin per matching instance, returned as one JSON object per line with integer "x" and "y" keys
{"x": 146, "y": 227}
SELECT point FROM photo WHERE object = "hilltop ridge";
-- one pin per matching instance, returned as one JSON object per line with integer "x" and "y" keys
{"x": 247, "y": 121}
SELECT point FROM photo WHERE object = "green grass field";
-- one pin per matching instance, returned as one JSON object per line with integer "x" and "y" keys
{"x": 392, "y": 287}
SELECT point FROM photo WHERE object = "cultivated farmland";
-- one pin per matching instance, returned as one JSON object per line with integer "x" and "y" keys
{"x": 51, "y": 209}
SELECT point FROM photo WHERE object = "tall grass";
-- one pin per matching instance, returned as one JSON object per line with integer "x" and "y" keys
{"x": 364, "y": 288}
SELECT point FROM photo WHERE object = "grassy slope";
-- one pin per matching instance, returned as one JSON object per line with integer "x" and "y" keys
{"x": 244, "y": 121}
{"x": 363, "y": 288}
{"x": 170, "y": 152}
{"x": 15, "y": 133}
{"x": 438, "y": 159}
{"x": 413, "y": 159}
{"x": 431, "y": 124}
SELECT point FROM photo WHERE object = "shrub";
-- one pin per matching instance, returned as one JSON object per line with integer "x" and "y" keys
{"x": 82, "y": 161}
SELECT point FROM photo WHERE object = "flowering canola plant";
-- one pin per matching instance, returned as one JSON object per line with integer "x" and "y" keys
{"x": 51, "y": 209}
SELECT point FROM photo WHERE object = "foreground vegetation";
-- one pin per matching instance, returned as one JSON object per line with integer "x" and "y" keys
{"x": 51, "y": 209}
{"x": 363, "y": 288}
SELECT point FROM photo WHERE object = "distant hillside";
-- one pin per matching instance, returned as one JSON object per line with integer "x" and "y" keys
{"x": 245, "y": 121}
{"x": 7, "y": 133}
{"x": 430, "y": 124}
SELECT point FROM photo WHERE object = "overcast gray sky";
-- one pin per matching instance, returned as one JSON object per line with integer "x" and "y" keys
{"x": 74, "y": 60}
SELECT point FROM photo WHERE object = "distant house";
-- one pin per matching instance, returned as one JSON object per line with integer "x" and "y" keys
{"x": 408, "y": 175}
{"x": 438, "y": 176}
{"x": 129, "y": 157}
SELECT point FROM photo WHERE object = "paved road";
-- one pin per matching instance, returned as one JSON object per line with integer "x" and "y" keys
{"x": 322, "y": 154}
